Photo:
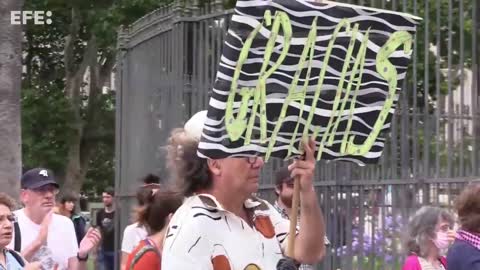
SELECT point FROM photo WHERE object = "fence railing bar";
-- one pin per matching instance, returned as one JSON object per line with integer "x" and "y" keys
{"x": 385, "y": 182}
{"x": 439, "y": 107}
{"x": 475, "y": 95}
{"x": 426, "y": 130}
{"x": 206, "y": 16}
{"x": 450, "y": 97}
{"x": 415, "y": 112}
{"x": 462, "y": 88}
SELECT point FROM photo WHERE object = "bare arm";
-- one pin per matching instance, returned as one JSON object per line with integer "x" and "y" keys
{"x": 75, "y": 264}
{"x": 123, "y": 262}
{"x": 310, "y": 241}
{"x": 311, "y": 237}
{"x": 88, "y": 243}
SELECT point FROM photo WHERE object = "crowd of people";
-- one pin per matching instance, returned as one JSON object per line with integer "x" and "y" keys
{"x": 210, "y": 218}
{"x": 34, "y": 236}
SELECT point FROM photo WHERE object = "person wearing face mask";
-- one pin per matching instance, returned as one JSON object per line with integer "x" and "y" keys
{"x": 429, "y": 235}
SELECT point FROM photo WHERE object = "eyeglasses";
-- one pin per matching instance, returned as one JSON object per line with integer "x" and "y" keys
{"x": 252, "y": 160}
{"x": 45, "y": 189}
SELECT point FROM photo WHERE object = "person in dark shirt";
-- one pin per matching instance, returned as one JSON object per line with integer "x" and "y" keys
{"x": 465, "y": 252}
{"x": 67, "y": 208}
{"x": 105, "y": 221}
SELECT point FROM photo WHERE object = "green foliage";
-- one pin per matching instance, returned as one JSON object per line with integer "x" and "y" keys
{"x": 436, "y": 29}
{"x": 48, "y": 121}
{"x": 432, "y": 44}
{"x": 101, "y": 170}
{"x": 101, "y": 166}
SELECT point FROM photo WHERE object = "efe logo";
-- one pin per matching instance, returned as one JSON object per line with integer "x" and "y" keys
{"x": 39, "y": 17}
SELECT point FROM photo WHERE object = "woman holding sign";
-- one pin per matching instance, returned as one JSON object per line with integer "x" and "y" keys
{"x": 222, "y": 226}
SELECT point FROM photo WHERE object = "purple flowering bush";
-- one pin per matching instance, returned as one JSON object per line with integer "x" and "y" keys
{"x": 379, "y": 246}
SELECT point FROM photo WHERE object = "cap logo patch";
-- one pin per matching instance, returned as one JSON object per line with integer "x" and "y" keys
{"x": 44, "y": 173}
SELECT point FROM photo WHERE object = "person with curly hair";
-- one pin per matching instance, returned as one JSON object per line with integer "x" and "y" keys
{"x": 429, "y": 236}
{"x": 222, "y": 225}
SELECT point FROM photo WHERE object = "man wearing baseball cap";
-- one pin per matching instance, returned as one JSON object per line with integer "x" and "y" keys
{"x": 40, "y": 235}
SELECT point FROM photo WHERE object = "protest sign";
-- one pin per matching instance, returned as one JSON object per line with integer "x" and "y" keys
{"x": 295, "y": 69}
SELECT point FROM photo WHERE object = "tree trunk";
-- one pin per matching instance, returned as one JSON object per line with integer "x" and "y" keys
{"x": 10, "y": 87}
{"x": 83, "y": 143}
{"x": 74, "y": 174}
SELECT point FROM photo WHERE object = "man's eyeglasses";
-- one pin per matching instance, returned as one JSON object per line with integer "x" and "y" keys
{"x": 45, "y": 189}
{"x": 252, "y": 160}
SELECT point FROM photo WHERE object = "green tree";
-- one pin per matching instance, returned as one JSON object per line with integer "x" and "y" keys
{"x": 68, "y": 108}
{"x": 434, "y": 30}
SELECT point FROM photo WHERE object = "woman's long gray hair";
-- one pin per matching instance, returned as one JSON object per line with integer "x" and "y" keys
{"x": 421, "y": 228}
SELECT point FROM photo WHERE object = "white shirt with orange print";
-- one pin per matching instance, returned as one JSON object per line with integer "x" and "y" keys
{"x": 204, "y": 236}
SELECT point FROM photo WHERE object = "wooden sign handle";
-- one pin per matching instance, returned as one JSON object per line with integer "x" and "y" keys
{"x": 293, "y": 218}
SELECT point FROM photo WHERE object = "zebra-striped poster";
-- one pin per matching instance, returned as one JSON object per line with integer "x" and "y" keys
{"x": 296, "y": 69}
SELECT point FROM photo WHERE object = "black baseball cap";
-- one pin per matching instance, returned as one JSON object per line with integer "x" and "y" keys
{"x": 36, "y": 178}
